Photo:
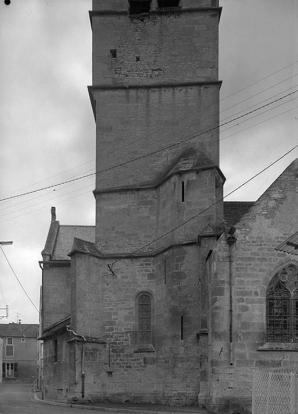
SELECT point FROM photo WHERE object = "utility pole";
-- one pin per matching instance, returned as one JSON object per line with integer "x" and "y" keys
{"x": 5, "y": 243}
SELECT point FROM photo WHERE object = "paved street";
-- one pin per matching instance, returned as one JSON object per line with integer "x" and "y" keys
{"x": 16, "y": 398}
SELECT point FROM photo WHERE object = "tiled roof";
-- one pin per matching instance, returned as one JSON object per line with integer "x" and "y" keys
{"x": 290, "y": 245}
{"x": 19, "y": 330}
{"x": 235, "y": 210}
{"x": 65, "y": 238}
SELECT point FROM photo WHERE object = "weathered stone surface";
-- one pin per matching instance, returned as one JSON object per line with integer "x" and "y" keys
{"x": 254, "y": 260}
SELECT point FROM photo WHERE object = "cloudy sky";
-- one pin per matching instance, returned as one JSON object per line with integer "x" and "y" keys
{"x": 47, "y": 128}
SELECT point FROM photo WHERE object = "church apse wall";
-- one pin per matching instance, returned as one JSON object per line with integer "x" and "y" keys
{"x": 147, "y": 319}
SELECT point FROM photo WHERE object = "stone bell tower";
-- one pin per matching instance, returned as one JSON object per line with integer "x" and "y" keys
{"x": 155, "y": 98}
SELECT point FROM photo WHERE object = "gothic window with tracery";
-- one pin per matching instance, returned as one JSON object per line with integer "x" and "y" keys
{"x": 282, "y": 306}
{"x": 144, "y": 319}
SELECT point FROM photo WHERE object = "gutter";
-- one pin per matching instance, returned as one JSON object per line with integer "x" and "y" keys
{"x": 45, "y": 265}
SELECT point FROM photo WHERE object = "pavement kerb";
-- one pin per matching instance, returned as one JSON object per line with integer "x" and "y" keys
{"x": 108, "y": 409}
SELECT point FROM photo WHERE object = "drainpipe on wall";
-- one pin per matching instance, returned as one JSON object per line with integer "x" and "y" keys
{"x": 83, "y": 370}
{"x": 231, "y": 240}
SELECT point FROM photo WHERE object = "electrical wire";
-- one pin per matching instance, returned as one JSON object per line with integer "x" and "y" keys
{"x": 259, "y": 123}
{"x": 70, "y": 184}
{"x": 259, "y": 93}
{"x": 87, "y": 192}
{"x": 208, "y": 208}
{"x": 183, "y": 117}
{"x": 17, "y": 278}
{"x": 262, "y": 113}
{"x": 148, "y": 154}
{"x": 260, "y": 102}
{"x": 200, "y": 121}
{"x": 260, "y": 80}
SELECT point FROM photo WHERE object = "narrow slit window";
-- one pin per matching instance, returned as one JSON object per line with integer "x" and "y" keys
{"x": 182, "y": 191}
{"x": 181, "y": 328}
{"x": 55, "y": 350}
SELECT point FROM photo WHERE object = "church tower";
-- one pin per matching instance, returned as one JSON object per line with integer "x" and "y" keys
{"x": 155, "y": 97}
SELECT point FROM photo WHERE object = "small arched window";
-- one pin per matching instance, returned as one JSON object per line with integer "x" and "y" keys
{"x": 144, "y": 304}
{"x": 282, "y": 306}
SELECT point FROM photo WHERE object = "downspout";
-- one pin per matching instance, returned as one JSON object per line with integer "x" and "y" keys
{"x": 83, "y": 370}
{"x": 231, "y": 239}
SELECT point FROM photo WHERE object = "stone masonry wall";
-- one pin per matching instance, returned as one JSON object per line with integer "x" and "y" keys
{"x": 56, "y": 368}
{"x": 55, "y": 295}
{"x": 131, "y": 123}
{"x": 254, "y": 262}
{"x": 165, "y": 48}
{"x": 165, "y": 373}
{"x": 128, "y": 220}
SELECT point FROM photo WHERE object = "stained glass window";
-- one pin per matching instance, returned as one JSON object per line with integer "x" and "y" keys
{"x": 282, "y": 306}
{"x": 144, "y": 319}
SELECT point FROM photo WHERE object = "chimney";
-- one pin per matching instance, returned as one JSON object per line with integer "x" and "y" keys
{"x": 53, "y": 213}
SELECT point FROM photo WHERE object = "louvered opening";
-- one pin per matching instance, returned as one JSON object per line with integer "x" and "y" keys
{"x": 139, "y": 6}
{"x": 168, "y": 4}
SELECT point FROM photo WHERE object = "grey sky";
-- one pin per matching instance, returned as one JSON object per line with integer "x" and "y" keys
{"x": 47, "y": 127}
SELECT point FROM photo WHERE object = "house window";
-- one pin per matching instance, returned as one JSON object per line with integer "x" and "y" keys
{"x": 282, "y": 306}
{"x": 139, "y": 6}
{"x": 144, "y": 319}
{"x": 9, "y": 347}
{"x": 9, "y": 370}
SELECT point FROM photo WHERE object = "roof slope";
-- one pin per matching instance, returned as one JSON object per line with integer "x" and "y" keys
{"x": 190, "y": 159}
{"x": 235, "y": 210}
{"x": 282, "y": 192}
{"x": 60, "y": 238}
{"x": 65, "y": 239}
{"x": 19, "y": 330}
